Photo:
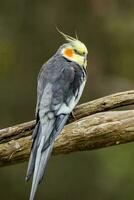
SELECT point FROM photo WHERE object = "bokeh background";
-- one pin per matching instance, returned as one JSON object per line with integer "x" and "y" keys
{"x": 27, "y": 39}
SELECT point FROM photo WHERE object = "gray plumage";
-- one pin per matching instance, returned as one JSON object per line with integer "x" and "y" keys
{"x": 60, "y": 84}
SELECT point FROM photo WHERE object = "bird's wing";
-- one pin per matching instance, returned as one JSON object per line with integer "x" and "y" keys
{"x": 54, "y": 93}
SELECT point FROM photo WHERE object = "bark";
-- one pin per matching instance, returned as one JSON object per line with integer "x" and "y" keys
{"x": 86, "y": 131}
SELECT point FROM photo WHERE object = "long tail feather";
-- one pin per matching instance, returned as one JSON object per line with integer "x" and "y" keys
{"x": 59, "y": 124}
{"x": 31, "y": 163}
{"x": 40, "y": 165}
{"x": 44, "y": 136}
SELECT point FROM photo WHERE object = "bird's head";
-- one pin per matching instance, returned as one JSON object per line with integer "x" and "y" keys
{"x": 74, "y": 50}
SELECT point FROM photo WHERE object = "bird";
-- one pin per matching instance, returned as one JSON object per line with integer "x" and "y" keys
{"x": 60, "y": 84}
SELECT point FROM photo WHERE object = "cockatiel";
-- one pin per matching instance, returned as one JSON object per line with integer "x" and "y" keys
{"x": 61, "y": 81}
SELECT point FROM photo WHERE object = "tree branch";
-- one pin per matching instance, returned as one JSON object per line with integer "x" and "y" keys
{"x": 85, "y": 133}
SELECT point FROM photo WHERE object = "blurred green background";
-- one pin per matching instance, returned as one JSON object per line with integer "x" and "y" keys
{"x": 27, "y": 39}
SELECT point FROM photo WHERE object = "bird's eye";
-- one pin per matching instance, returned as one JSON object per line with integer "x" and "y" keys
{"x": 75, "y": 50}
{"x": 79, "y": 53}
{"x": 83, "y": 53}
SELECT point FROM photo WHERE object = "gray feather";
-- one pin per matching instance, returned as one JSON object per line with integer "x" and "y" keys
{"x": 40, "y": 165}
{"x": 31, "y": 163}
{"x": 38, "y": 157}
{"x": 58, "y": 126}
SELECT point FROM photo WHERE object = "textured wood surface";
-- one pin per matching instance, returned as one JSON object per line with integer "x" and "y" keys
{"x": 85, "y": 131}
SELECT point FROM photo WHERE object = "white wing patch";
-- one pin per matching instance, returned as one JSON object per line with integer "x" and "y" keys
{"x": 66, "y": 109}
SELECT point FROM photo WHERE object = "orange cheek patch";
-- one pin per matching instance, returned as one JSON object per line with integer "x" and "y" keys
{"x": 68, "y": 52}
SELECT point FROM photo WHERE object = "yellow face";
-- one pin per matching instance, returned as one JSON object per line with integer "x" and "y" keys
{"x": 77, "y": 52}
{"x": 74, "y": 50}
